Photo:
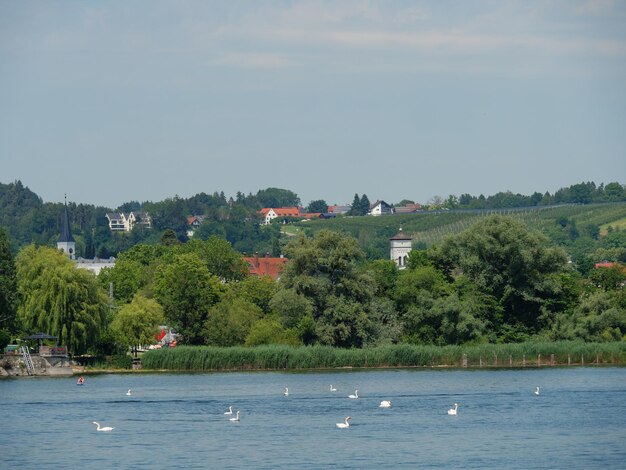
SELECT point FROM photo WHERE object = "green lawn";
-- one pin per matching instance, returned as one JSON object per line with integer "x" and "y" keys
{"x": 617, "y": 224}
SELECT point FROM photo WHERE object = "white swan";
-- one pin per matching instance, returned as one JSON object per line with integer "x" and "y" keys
{"x": 345, "y": 424}
{"x": 356, "y": 394}
{"x": 286, "y": 392}
{"x": 537, "y": 391}
{"x": 235, "y": 418}
{"x": 129, "y": 392}
{"x": 230, "y": 411}
{"x": 452, "y": 411}
{"x": 385, "y": 404}
{"x": 105, "y": 428}
{"x": 333, "y": 389}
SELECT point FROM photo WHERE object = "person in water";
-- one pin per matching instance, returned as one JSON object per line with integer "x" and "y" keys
{"x": 81, "y": 380}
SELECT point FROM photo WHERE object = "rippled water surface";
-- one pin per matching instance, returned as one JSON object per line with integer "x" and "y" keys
{"x": 177, "y": 420}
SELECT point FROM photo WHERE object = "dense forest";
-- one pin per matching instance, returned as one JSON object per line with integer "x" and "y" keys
{"x": 498, "y": 279}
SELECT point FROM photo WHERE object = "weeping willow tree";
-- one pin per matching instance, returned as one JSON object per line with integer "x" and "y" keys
{"x": 59, "y": 299}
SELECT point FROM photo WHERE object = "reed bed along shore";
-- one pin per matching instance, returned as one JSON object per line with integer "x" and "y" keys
{"x": 280, "y": 357}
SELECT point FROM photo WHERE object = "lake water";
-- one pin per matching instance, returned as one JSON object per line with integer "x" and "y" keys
{"x": 177, "y": 420}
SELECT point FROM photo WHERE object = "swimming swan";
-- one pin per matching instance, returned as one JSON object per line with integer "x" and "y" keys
{"x": 345, "y": 424}
{"x": 286, "y": 392}
{"x": 332, "y": 389}
{"x": 537, "y": 391}
{"x": 236, "y": 418}
{"x": 106, "y": 428}
{"x": 128, "y": 393}
{"x": 385, "y": 404}
{"x": 356, "y": 394}
{"x": 230, "y": 411}
{"x": 452, "y": 411}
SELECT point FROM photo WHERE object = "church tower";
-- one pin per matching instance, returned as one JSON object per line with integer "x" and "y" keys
{"x": 400, "y": 248}
{"x": 66, "y": 241}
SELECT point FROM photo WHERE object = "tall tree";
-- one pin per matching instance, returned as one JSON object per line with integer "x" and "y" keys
{"x": 137, "y": 323}
{"x": 8, "y": 286}
{"x": 60, "y": 299}
{"x": 220, "y": 257}
{"x": 506, "y": 260}
{"x": 276, "y": 197}
{"x": 324, "y": 271}
{"x": 186, "y": 289}
{"x": 355, "y": 208}
{"x": 318, "y": 205}
{"x": 229, "y": 322}
{"x": 364, "y": 204}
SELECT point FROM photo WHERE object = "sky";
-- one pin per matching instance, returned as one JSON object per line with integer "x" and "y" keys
{"x": 143, "y": 100}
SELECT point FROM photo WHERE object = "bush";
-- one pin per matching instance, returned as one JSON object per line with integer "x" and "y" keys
{"x": 120, "y": 362}
{"x": 5, "y": 339}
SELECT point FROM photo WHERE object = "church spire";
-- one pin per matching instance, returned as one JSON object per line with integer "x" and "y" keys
{"x": 66, "y": 234}
{"x": 66, "y": 241}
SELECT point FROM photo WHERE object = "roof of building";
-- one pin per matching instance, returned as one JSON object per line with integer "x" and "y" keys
{"x": 195, "y": 218}
{"x": 265, "y": 266}
{"x": 382, "y": 203}
{"x": 282, "y": 211}
{"x": 400, "y": 236}
{"x": 66, "y": 234}
{"x": 408, "y": 208}
{"x": 338, "y": 209}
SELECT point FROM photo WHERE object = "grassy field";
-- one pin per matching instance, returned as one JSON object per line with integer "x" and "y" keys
{"x": 430, "y": 228}
{"x": 279, "y": 357}
{"x": 617, "y": 224}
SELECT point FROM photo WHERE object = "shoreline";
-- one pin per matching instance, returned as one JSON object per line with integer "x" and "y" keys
{"x": 82, "y": 371}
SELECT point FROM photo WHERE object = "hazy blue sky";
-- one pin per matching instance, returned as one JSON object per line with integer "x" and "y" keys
{"x": 142, "y": 100}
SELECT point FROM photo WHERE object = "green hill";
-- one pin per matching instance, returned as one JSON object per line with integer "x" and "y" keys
{"x": 431, "y": 228}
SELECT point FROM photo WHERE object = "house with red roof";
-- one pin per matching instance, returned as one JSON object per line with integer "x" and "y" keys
{"x": 271, "y": 213}
{"x": 265, "y": 266}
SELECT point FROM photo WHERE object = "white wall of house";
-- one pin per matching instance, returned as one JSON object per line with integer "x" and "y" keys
{"x": 271, "y": 215}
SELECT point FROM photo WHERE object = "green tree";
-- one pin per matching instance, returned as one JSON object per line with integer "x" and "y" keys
{"x": 608, "y": 278}
{"x": 600, "y": 318}
{"x": 323, "y": 270}
{"x": 137, "y": 323}
{"x": 385, "y": 275}
{"x": 270, "y": 331}
{"x": 186, "y": 290}
{"x": 169, "y": 238}
{"x": 59, "y": 299}
{"x": 256, "y": 290}
{"x": 276, "y": 197}
{"x": 614, "y": 191}
{"x": 318, "y": 205}
{"x": 220, "y": 257}
{"x": 355, "y": 208}
{"x": 229, "y": 322}
{"x": 125, "y": 279}
{"x": 511, "y": 263}
{"x": 290, "y": 307}
{"x": 8, "y": 285}
{"x": 364, "y": 205}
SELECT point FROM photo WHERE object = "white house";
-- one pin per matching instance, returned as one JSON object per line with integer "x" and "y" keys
{"x": 380, "y": 208}
{"x": 121, "y": 222}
